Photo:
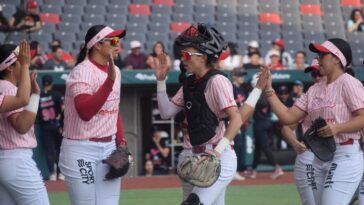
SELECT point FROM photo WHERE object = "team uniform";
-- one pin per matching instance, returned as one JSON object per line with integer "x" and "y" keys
{"x": 219, "y": 96}
{"x": 338, "y": 179}
{"x": 20, "y": 180}
{"x": 87, "y": 143}
{"x": 304, "y": 172}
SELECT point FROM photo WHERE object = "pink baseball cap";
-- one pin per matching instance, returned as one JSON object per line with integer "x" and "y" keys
{"x": 279, "y": 42}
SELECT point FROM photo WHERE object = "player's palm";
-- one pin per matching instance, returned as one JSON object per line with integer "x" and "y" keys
{"x": 111, "y": 69}
{"x": 263, "y": 79}
{"x": 34, "y": 85}
{"x": 161, "y": 67}
{"x": 24, "y": 54}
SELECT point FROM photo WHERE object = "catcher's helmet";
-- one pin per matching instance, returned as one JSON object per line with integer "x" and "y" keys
{"x": 204, "y": 38}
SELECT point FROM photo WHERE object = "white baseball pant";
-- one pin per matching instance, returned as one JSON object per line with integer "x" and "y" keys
{"x": 361, "y": 191}
{"x": 215, "y": 194}
{"x": 304, "y": 177}
{"x": 81, "y": 163}
{"x": 338, "y": 179}
{"x": 186, "y": 187}
{"x": 20, "y": 179}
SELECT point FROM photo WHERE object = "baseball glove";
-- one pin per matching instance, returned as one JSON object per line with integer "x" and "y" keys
{"x": 203, "y": 174}
{"x": 119, "y": 161}
{"x": 322, "y": 147}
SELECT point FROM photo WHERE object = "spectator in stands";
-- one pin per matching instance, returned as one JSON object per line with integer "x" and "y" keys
{"x": 275, "y": 64}
{"x": 136, "y": 59}
{"x": 66, "y": 56}
{"x": 285, "y": 57}
{"x": 148, "y": 168}
{"x": 158, "y": 49}
{"x": 4, "y": 24}
{"x": 240, "y": 95}
{"x": 355, "y": 23}
{"x": 234, "y": 60}
{"x": 253, "y": 46}
{"x": 284, "y": 95}
{"x": 56, "y": 63}
{"x": 297, "y": 89}
{"x": 38, "y": 57}
{"x": 254, "y": 62}
{"x": 299, "y": 61}
{"x": 159, "y": 154}
{"x": 26, "y": 21}
{"x": 49, "y": 114}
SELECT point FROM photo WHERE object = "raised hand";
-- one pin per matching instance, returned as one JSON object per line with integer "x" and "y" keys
{"x": 24, "y": 54}
{"x": 34, "y": 85}
{"x": 111, "y": 69}
{"x": 263, "y": 78}
{"x": 161, "y": 67}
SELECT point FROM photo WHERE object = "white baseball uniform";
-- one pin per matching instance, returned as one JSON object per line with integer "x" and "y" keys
{"x": 80, "y": 158}
{"x": 219, "y": 96}
{"x": 20, "y": 180}
{"x": 338, "y": 179}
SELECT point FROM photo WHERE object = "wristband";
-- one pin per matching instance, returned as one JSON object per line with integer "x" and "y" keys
{"x": 161, "y": 85}
{"x": 253, "y": 97}
{"x": 33, "y": 103}
{"x": 221, "y": 146}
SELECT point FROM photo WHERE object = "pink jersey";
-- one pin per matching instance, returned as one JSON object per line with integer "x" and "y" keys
{"x": 87, "y": 78}
{"x": 1, "y": 99}
{"x": 9, "y": 137}
{"x": 219, "y": 96}
{"x": 334, "y": 102}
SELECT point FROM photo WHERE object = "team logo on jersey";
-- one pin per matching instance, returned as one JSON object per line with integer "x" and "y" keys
{"x": 87, "y": 174}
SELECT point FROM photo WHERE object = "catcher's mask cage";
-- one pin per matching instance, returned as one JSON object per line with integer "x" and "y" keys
{"x": 204, "y": 38}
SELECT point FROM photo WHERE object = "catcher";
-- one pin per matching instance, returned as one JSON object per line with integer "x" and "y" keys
{"x": 339, "y": 99}
{"x": 207, "y": 99}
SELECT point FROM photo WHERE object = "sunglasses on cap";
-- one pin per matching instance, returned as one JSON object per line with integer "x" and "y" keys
{"x": 186, "y": 55}
{"x": 114, "y": 41}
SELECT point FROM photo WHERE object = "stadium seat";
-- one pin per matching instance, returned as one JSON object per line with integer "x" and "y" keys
{"x": 269, "y": 6}
{"x": 49, "y": 28}
{"x": 159, "y": 18}
{"x": 226, "y": 17}
{"x": 73, "y": 9}
{"x": 310, "y": 2}
{"x": 8, "y": 10}
{"x": 49, "y": 8}
{"x": 270, "y": 18}
{"x": 183, "y": 9}
{"x": 355, "y": 37}
{"x": 101, "y": 3}
{"x": 158, "y": 27}
{"x": 314, "y": 9}
{"x": 68, "y": 27}
{"x": 157, "y": 36}
{"x": 267, "y": 27}
{"x": 164, "y": 2}
{"x": 141, "y": 2}
{"x": 50, "y": 18}
{"x": 162, "y": 9}
{"x": 135, "y": 36}
{"x": 64, "y": 36}
{"x": 136, "y": 27}
{"x": 178, "y": 27}
{"x": 92, "y": 19}
{"x": 121, "y": 3}
{"x": 115, "y": 18}
{"x": 205, "y": 8}
{"x": 140, "y": 19}
{"x": 247, "y": 26}
{"x": 312, "y": 23}
{"x": 293, "y": 46}
{"x": 247, "y": 8}
{"x": 352, "y": 3}
{"x": 227, "y": 27}
{"x": 95, "y": 9}
{"x": 139, "y": 9}
{"x": 13, "y": 2}
{"x": 182, "y": 17}
{"x": 76, "y": 2}
{"x": 185, "y": 2}
{"x": 226, "y": 8}
{"x": 229, "y": 36}
{"x": 71, "y": 18}
{"x": 211, "y": 2}
{"x": 117, "y": 9}
{"x": 2, "y": 37}
{"x": 204, "y": 17}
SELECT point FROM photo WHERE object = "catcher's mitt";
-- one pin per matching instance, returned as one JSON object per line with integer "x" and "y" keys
{"x": 322, "y": 147}
{"x": 119, "y": 161}
{"x": 203, "y": 174}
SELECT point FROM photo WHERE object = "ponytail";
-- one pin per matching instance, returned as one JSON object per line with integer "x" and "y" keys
{"x": 182, "y": 76}
{"x": 82, "y": 55}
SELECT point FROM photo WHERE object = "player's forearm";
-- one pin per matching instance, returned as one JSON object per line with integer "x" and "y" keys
{"x": 282, "y": 112}
{"x": 246, "y": 112}
{"x": 23, "y": 121}
{"x": 288, "y": 135}
{"x": 353, "y": 125}
{"x": 23, "y": 92}
{"x": 120, "y": 138}
{"x": 235, "y": 123}
{"x": 88, "y": 106}
{"x": 166, "y": 108}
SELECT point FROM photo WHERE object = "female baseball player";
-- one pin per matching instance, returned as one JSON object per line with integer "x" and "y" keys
{"x": 20, "y": 179}
{"x": 303, "y": 169}
{"x": 21, "y": 99}
{"x": 92, "y": 123}
{"x": 339, "y": 99}
{"x": 201, "y": 46}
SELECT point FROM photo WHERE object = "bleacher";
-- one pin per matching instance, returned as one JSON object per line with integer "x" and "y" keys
{"x": 298, "y": 22}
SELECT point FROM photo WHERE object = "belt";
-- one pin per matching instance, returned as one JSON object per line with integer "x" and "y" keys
{"x": 349, "y": 142}
{"x": 102, "y": 139}
{"x": 203, "y": 148}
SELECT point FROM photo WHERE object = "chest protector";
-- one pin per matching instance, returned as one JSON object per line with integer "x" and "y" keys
{"x": 202, "y": 122}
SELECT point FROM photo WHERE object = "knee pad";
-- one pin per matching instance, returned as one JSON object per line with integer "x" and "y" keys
{"x": 192, "y": 199}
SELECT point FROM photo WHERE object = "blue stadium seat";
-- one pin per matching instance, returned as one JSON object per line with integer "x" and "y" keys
{"x": 211, "y": 2}
{"x": 13, "y": 2}
{"x": 247, "y": 26}
{"x": 136, "y": 27}
{"x": 310, "y": 2}
{"x": 115, "y": 18}
{"x": 69, "y": 27}
{"x": 159, "y": 18}
{"x": 141, "y": 1}
{"x": 92, "y": 19}
{"x": 54, "y": 3}
{"x": 2, "y": 37}
{"x": 95, "y": 9}
{"x": 312, "y": 23}
{"x": 73, "y": 9}
{"x": 226, "y": 8}
{"x": 161, "y": 9}
{"x": 247, "y": 8}
{"x": 273, "y": 28}
{"x": 138, "y": 19}
{"x": 119, "y": 2}
{"x": 226, "y": 17}
{"x": 185, "y": 2}
{"x": 205, "y": 8}
{"x": 98, "y": 2}
{"x": 135, "y": 36}
{"x": 159, "y": 27}
{"x": 49, "y": 8}
{"x": 157, "y": 36}
{"x": 117, "y": 9}
{"x": 269, "y": 6}
{"x": 204, "y": 17}
{"x": 49, "y": 28}
{"x": 9, "y": 10}
{"x": 16, "y": 37}
{"x": 71, "y": 18}
{"x": 64, "y": 36}
{"x": 76, "y": 2}
{"x": 182, "y": 17}
{"x": 183, "y": 8}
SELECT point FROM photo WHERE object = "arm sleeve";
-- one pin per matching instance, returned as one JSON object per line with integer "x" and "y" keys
{"x": 167, "y": 108}
{"x": 120, "y": 138}
{"x": 88, "y": 105}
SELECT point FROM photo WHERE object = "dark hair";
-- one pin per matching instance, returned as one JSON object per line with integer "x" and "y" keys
{"x": 182, "y": 76}
{"x": 58, "y": 41}
{"x": 5, "y": 51}
{"x": 55, "y": 48}
{"x": 301, "y": 52}
{"x": 352, "y": 15}
{"x": 250, "y": 54}
{"x": 350, "y": 71}
{"x": 34, "y": 45}
{"x": 155, "y": 45}
{"x": 91, "y": 32}
{"x": 233, "y": 48}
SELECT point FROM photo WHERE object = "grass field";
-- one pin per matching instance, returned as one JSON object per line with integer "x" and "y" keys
{"x": 236, "y": 195}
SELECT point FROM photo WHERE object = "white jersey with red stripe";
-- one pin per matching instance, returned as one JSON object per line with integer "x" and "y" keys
{"x": 335, "y": 102}
{"x": 9, "y": 137}
{"x": 87, "y": 78}
{"x": 219, "y": 96}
